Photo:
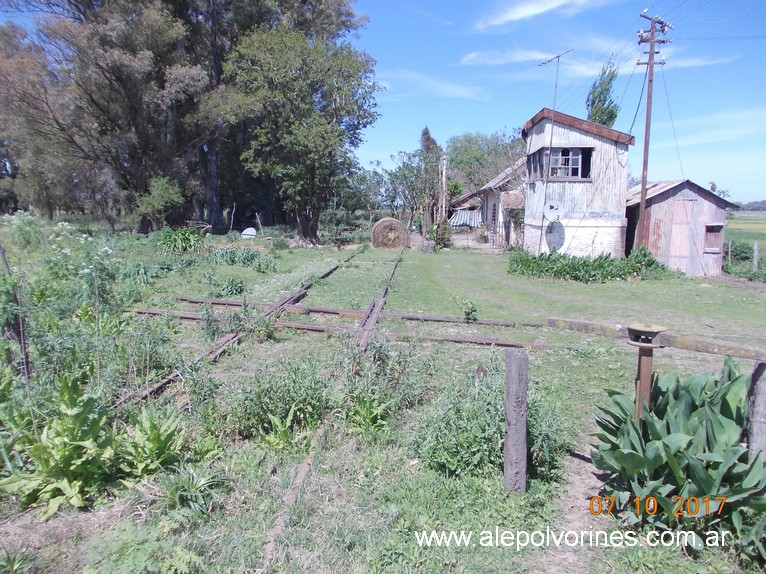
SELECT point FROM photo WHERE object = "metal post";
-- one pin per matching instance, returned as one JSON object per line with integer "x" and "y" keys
{"x": 642, "y": 336}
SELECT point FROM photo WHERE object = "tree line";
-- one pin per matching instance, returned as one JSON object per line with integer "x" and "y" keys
{"x": 179, "y": 109}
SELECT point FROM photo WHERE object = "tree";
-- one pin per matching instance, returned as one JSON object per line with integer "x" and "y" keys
{"x": 309, "y": 102}
{"x": 409, "y": 184}
{"x": 476, "y": 158}
{"x": 95, "y": 106}
{"x": 719, "y": 192}
{"x": 368, "y": 186}
{"x": 600, "y": 104}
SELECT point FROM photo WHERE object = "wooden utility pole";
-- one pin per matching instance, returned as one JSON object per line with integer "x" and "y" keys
{"x": 650, "y": 37}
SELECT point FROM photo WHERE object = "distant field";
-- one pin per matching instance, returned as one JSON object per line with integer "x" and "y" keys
{"x": 748, "y": 226}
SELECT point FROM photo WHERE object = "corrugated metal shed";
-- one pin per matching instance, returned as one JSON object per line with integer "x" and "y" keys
{"x": 465, "y": 218}
{"x": 684, "y": 225}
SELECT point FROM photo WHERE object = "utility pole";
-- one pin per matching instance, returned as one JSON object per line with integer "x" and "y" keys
{"x": 650, "y": 37}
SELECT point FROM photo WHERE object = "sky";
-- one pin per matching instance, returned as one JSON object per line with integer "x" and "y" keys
{"x": 460, "y": 66}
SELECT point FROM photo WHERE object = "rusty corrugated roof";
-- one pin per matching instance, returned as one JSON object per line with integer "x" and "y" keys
{"x": 580, "y": 124}
{"x": 654, "y": 188}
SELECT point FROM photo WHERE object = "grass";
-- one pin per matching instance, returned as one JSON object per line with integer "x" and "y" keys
{"x": 368, "y": 494}
{"x": 748, "y": 226}
{"x": 428, "y": 284}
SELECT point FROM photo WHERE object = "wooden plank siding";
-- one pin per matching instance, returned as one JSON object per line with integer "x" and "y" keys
{"x": 686, "y": 224}
{"x": 593, "y": 209}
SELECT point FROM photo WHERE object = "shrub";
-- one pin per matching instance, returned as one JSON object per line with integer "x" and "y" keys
{"x": 280, "y": 244}
{"x": 244, "y": 256}
{"x": 463, "y": 433}
{"x": 183, "y": 240}
{"x": 26, "y": 229}
{"x": 442, "y": 234}
{"x": 740, "y": 251}
{"x": 688, "y": 445}
{"x": 600, "y": 269}
{"x": 294, "y": 386}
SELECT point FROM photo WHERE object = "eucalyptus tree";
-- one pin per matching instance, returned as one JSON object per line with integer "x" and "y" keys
{"x": 120, "y": 92}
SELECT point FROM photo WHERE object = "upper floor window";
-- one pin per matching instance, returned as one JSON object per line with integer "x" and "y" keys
{"x": 571, "y": 163}
{"x": 563, "y": 163}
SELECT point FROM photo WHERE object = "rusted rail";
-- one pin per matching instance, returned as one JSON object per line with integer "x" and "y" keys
{"x": 372, "y": 316}
{"x": 489, "y": 341}
{"x": 221, "y": 347}
{"x": 356, "y": 313}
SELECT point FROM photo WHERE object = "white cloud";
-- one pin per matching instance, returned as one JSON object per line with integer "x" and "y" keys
{"x": 498, "y": 58}
{"x": 525, "y": 9}
{"x": 422, "y": 84}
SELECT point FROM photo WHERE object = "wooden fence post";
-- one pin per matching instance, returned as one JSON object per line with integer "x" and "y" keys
{"x": 730, "y": 253}
{"x": 756, "y": 432}
{"x": 515, "y": 404}
{"x": 755, "y": 257}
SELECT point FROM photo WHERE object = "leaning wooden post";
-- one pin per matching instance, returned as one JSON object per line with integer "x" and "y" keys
{"x": 756, "y": 433}
{"x": 515, "y": 446}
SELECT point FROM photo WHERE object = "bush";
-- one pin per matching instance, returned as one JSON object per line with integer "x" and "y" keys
{"x": 183, "y": 240}
{"x": 26, "y": 229}
{"x": 463, "y": 433}
{"x": 280, "y": 244}
{"x": 244, "y": 256}
{"x": 600, "y": 269}
{"x": 688, "y": 445}
{"x": 295, "y": 387}
{"x": 740, "y": 251}
{"x": 442, "y": 234}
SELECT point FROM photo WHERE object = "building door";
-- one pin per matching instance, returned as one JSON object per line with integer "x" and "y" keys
{"x": 681, "y": 235}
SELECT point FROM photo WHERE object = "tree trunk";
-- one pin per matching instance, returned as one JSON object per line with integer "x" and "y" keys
{"x": 212, "y": 195}
{"x": 308, "y": 226}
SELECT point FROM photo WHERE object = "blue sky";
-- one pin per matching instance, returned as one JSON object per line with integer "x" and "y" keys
{"x": 458, "y": 66}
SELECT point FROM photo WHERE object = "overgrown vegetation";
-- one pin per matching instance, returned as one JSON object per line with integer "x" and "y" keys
{"x": 687, "y": 458}
{"x": 639, "y": 264}
{"x": 206, "y": 465}
{"x": 741, "y": 265}
{"x": 463, "y": 432}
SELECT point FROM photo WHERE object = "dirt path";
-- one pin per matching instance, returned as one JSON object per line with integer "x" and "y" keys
{"x": 583, "y": 483}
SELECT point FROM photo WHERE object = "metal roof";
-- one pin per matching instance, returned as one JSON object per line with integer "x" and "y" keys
{"x": 465, "y": 217}
{"x": 580, "y": 124}
{"x": 655, "y": 188}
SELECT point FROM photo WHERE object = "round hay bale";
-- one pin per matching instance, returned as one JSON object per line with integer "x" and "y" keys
{"x": 389, "y": 232}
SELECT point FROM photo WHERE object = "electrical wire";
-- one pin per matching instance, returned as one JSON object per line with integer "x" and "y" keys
{"x": 640, "y": 99}
{"x": 672, "y": 124}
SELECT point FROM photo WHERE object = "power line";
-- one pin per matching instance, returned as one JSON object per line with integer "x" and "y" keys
{"x": 672, "y": 124}
{"x": 650, "y": 37}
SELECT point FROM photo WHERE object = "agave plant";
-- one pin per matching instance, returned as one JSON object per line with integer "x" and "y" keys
{"x": 689, "y": 446}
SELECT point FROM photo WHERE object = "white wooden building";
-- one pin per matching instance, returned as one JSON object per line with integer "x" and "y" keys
{"x": 580, "y": 168}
